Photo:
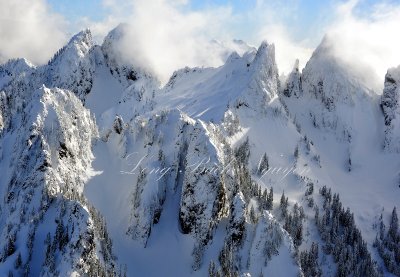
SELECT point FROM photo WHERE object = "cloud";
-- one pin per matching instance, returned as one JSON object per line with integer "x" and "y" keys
{"x": 164, "y": 36}
{"x": 28, "y": 28}
{"x": 368, "y": 42}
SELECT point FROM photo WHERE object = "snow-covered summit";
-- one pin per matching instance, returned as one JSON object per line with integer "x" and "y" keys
{"x": 16, "y": 66}
{"x": 71, "y": 67}
{"x": 14, "y": 69}
{"x": 265, "y": 71}
{"x": 327, "y": 78}
{"x": 124, "y": 70}
{"x": 292, "y": 84}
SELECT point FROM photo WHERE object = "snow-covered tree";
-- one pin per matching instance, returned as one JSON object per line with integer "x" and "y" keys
{"x": 309, "y": 261}
{"x": 263, "y": 165}
{"x": 270, "y": 199}
{"x": 284, "y": 203}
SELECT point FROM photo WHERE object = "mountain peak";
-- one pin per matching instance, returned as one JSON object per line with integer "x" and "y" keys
{"x": 296, "y": 65}
{"x": 329, "y": 77}
{"x": 266, "y": 49}
{"x": 112, "y": 39}
{"x": 293, "y": 82}
{"x": 265, "y": 56}
{"x": 77, "y": 48}
{"x": 121, "y": 65}
{"x": 84, "y": 36}
{"x": 265, "y": 69}
{"x": 115, "y": 35}
{"x": 81, "y": 42}
{"x": 232, "y": 57}
{"x": 264, "y": 44}
{"x": 118, "y": 31}
{"x": 16, "y": 66}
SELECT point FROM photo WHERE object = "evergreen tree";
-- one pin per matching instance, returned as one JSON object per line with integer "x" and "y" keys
{"x": 18, "y": 261}
{"x": 212, "y": 271}
{"x": 27, "y": 270}
{"x": 242, "y": 153}
{"x": 10, "y": 247}
{"x": 310, "y": 202}
{"x": 270, "y": 200}
{"x": 394, "y": 225}
{"x": 294, "y": 224}
{"x": 309, "y": 262}
{"x": 342, "y": 238}
{"x": 31, "y": 237}
{"x": 296, "y": 152}
{"x": 381, "y": 228}
{"x": 49, "y": 260}
{"x": 263, "y": 165}
{"x": 349, "y": 164}
{"x": 252, "y": 215}
{"x": 388, "y": 244}
{"x": 310, "y": 189}
{"x": 226, "y": 259}
{"x": 284, "y": 204}
{"x": 316, "y": 217}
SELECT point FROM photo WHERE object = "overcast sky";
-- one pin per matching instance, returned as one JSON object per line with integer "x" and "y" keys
{"x": 170, "y": 34}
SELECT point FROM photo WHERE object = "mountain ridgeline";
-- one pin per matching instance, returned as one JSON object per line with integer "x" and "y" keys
{"x": 228, "y": 171}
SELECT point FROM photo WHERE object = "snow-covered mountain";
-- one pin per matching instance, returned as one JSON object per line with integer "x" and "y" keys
{"x": 228, "y": 171}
